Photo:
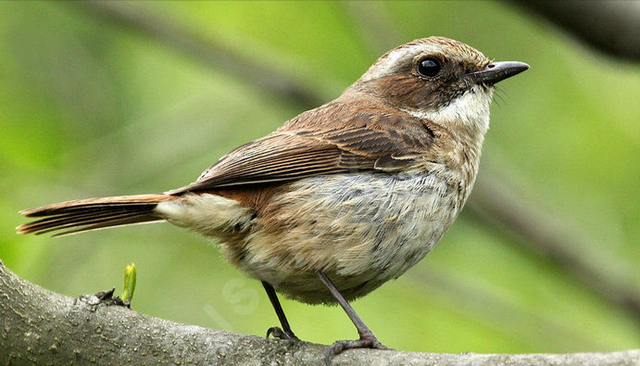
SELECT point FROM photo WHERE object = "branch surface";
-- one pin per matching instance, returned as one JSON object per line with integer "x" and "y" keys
{"x": 38, "y": 326}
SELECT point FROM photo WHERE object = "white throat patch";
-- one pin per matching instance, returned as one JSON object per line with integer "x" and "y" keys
{"x": 472, "y": 109}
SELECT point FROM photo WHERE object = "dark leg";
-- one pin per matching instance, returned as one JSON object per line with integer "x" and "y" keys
{"x": 367, "y": 339}
{"x": 285, "y": 332}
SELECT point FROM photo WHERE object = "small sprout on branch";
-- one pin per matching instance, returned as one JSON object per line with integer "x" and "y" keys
{"x": 129, "y": 284}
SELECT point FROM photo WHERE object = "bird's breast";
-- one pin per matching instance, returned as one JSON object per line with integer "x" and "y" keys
{"x": 361, "y": 229}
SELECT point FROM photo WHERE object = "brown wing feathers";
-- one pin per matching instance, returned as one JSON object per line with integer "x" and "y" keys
{"x": 92, "y": 214}
{"x": 287, "y": 155}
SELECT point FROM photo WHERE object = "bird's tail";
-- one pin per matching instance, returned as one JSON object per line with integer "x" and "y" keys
{"x": 92, "y": 214}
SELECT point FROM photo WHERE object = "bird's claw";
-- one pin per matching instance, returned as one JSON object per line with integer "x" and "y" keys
{"x": 277, "y": 332}
{"x": 364, "y": 342}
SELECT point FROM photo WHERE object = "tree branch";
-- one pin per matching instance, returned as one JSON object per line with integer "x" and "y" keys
{"x": 38, "y": 326}
{"x": 158, "y": 26}
{"x": 543, "y": 233}
{"x": 608, "y": 26}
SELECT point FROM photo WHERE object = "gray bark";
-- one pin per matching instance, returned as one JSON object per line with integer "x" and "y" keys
{"x": 40, "y": 327}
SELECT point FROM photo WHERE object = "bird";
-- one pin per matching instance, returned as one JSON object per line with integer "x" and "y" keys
{"x": 341, "y": 198}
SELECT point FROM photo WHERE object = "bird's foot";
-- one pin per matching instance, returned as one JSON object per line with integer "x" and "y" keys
{"x": 277, "y": 332}
{"x": 365, "y": 341}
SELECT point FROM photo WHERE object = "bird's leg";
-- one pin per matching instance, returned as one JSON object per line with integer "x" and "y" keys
{"x": 367, "y": 339}
{"x": 285, "y": 332}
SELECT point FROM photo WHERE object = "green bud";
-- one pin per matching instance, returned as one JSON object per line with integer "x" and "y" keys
{"x": 129, "y": 283}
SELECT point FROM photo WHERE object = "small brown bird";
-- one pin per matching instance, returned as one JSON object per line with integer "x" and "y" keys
{"x": 341, "y": 198}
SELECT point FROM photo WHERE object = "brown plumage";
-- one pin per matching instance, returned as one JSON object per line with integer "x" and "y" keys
{"x": 341, "y": 198}
{"x": 92, "y": 214}
{"x": 371, "y": 140}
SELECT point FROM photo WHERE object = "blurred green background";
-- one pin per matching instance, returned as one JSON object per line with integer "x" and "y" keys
{"x": 91, "y": 106}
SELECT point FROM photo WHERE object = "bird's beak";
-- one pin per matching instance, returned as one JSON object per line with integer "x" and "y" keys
{"x": 498, "y": 71}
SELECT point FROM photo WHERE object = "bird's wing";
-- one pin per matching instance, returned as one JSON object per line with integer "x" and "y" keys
{"x": 294, "y": 153}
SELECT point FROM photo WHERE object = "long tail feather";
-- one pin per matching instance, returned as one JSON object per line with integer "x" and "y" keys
{"x": 92, "y": 214}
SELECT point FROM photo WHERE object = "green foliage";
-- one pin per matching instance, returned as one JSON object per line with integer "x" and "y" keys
{"x": 90, "y": 108}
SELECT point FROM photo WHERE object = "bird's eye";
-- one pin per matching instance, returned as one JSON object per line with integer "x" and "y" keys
{"x": 429, "y": 67}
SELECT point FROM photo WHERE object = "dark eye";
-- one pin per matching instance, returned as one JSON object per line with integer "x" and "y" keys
{"x": 429, "y": 67}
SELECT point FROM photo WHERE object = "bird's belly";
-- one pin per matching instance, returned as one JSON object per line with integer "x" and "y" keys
{"x": 360, "y": 229}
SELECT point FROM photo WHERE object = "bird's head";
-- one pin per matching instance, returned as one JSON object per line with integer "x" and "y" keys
{"x": 440, "y": 79}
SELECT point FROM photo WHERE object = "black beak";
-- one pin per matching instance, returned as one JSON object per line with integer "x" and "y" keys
{"x": 498, "y": 71}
